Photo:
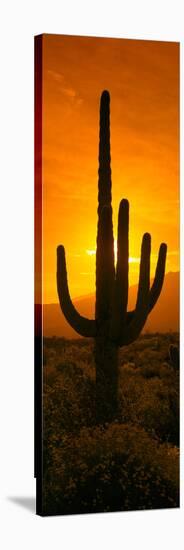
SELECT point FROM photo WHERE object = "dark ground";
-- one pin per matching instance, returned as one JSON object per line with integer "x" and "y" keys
{"x": 130, "y": 464}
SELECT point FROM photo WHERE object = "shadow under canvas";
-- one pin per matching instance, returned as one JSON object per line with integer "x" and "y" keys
{"x": 29, "y": 503}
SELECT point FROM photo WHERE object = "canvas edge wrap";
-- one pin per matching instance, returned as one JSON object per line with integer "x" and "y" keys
{"x": 38, "y": 317}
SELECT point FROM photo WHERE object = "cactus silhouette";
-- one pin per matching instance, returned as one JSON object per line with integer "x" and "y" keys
{"x": 113, "y": 326}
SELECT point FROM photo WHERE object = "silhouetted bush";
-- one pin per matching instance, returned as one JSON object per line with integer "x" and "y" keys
{"x": 151, "y": 402}
{"x": 127, "y": 465}
{"x": 109, "y": 469}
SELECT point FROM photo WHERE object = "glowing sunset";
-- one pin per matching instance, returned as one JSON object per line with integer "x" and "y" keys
{"x": 143, "y": 81}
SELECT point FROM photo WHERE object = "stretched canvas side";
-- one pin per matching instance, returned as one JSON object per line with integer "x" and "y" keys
{"x": 38, "y": 339}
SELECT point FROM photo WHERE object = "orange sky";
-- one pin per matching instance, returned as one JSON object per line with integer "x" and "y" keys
{"x": 143, "y": 80}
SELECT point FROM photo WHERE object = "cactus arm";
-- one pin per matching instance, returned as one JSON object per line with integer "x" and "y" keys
{"x": 138, "y": 319}
{"x": 121, "y": 282}
{"x": 122, "y": 256}
{"x": 104, "y": 265}
{"x": 144, "y": 277}
{"x": 157, "y": 283}
{"x": 135, "y": 321}
{"x": 85, "y": 327}
{"x": 159, "y": 277}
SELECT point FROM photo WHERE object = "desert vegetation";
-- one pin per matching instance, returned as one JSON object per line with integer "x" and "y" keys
{"x": 131, "y": 463}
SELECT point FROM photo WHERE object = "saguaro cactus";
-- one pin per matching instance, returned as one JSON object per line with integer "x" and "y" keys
{"x": 113, "y": 326}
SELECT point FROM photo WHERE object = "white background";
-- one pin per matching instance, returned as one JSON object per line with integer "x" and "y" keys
{"x": 20, "y": 21}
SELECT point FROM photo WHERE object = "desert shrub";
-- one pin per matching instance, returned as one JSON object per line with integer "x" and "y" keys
{"x": 69, "y": 369}
{"x": 155, "y": 369}
{"x": 50, "y": 373}
{"x": 159, "y": 411}
{"x": 108, "y": 469}
{"x": 85, "y": 354}
{"x": 69, "y": 400}
{"x": 150, "y": 370}
{"x": 151, "y": 402}
{"x": 65, "y": 411}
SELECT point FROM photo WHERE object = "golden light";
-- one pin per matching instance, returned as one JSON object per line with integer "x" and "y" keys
{"x": 144, "y": 88}
{"x": 131, "y": 260}
{"x": 91, "y": 252}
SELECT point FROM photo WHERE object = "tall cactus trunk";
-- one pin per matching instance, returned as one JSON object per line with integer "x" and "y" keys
{"x": 113, "y": 326}
{"x": 106, "y": 360}
{"x": 106, "y": 353}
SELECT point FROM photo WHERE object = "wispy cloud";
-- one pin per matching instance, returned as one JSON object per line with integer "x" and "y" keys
{"x": 64, "y": 86}
{"x": 58, "y": 77}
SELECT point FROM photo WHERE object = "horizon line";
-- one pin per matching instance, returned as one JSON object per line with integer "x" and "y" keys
{"x": 89, "y": 294}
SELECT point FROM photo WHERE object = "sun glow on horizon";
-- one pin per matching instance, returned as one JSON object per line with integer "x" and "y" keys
{"x": 131, "y": 259}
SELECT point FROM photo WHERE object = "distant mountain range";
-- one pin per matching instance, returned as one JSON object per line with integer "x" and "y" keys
{"x": 163, "y": 318}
